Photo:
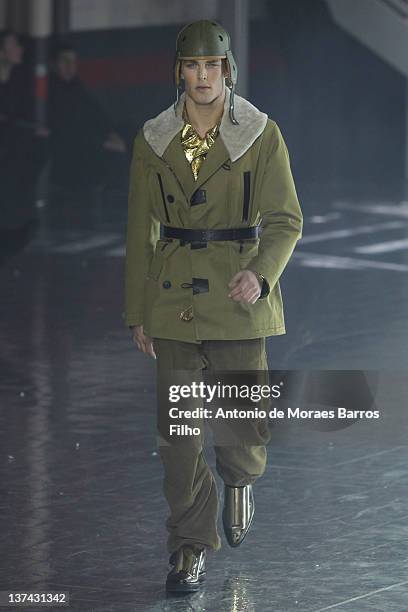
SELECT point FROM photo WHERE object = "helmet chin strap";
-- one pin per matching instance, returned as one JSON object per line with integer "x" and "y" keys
{"x": 231, "y": 107}
{"x": 177, "y": 98}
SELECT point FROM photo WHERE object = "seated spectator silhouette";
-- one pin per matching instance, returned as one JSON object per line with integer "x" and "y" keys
{"x": 86, "y": 150}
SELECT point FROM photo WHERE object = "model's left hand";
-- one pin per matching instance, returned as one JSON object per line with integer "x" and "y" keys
{"x": 245, "y": 287}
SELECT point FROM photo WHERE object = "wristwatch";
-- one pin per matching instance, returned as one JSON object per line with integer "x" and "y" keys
{"x": 265, "y": 285}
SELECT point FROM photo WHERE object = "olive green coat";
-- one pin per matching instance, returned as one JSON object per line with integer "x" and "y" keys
{"x": 245, "y": 180}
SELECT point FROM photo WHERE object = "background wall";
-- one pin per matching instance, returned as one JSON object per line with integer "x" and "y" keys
{"x": 100, "y": 14}
{"x": 339, "y": 106}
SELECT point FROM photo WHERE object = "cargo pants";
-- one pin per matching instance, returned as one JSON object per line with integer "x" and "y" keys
{"x": 189, "y": 485}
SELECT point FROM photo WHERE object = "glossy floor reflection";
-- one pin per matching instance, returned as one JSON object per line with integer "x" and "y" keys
{"x": 81, "y": 502}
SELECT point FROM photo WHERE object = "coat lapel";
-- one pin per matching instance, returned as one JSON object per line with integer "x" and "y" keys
{"x": 161, "y": 130}
{"x": 175, "y": 158}
{"x": 162, "y": 133}
{"x": 217, "y": 155}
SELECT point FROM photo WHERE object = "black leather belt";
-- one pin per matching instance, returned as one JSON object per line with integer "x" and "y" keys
{"x": 196, "y": 235}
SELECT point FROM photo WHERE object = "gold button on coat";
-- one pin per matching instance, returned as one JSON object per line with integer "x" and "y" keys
{"x": 187, "y": 314}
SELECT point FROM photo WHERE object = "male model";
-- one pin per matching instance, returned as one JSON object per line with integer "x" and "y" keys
{"x": 213, "y": 220}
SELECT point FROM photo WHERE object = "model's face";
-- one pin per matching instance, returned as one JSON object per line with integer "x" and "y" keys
{"x": 12, "y": 50}
{"x": 67, "y": 65}
{"x": 203, "y": 78}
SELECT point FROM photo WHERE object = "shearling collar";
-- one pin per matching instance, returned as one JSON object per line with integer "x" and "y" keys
{"x": 161, "y": 130}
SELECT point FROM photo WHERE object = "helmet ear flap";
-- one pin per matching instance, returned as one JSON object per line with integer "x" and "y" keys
{"x": 177, "y": 67}
{"x": 177, "y": 78}
{"x": 232, "y": 67}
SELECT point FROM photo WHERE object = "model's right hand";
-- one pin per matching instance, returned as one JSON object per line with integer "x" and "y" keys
{"x": 144, "y": 343}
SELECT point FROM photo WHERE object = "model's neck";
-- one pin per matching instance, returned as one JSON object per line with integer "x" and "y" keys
{"x": 204, "y": 116}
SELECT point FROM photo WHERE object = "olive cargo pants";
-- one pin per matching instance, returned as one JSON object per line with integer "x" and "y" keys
{"x": 189, "y": 484}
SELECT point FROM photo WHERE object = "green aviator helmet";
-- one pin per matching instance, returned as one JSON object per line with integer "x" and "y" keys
{"x": 206, "y": 39}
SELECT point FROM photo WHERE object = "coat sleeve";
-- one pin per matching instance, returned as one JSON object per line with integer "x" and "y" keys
{"x": 143, "y": 232}
{"x": 282, "y": 219}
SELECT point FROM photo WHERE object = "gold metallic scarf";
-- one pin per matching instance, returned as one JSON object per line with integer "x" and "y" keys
{"x": 195, "y": 147}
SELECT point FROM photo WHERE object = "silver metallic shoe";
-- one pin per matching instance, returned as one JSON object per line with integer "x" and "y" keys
{"x": 238, "y": 512}
{"x": 188, "y": 571}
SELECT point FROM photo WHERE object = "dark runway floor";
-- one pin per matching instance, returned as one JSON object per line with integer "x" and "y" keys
{"x": 81, "y": 505}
